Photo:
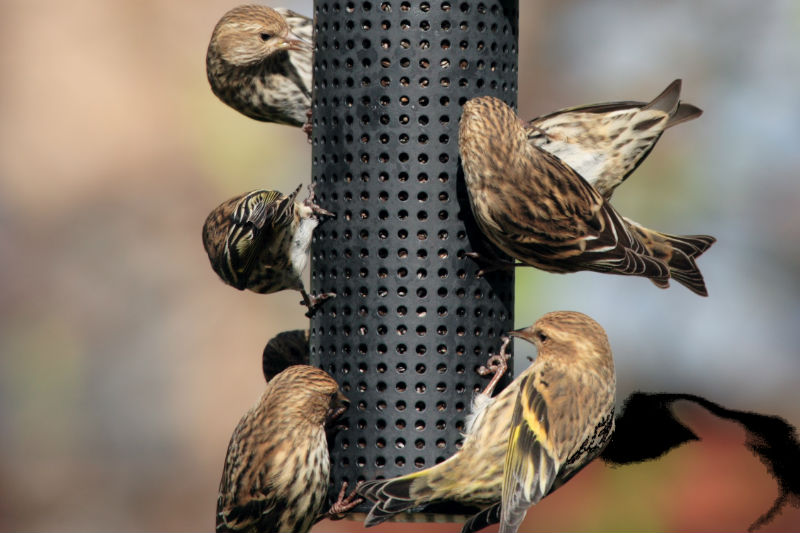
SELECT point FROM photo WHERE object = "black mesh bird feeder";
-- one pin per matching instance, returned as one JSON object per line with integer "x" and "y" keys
{"x": 411, "y": 322}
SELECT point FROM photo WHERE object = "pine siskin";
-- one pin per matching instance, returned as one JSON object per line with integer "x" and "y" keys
{"x": 259, "y": 62}
{"x": 531, "y": 438}
{"x": 260, "y": 240}
{"x": 284, "y": 350}
{"x": 277, "y": 468}
{"x": 538, "y": 210}
{"x": 604, "y": 143}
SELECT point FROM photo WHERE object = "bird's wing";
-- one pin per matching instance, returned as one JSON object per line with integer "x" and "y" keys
{"x": 546, "y": 203}
{"x": 281, "y": 212}
{"x": 580, "y": 137}
{"x": 259, "y": 509}
{"x": 555, "y": 216}
{"x": 248, "y": 233}
{"x": 265, "y": 213}
{"x": 545, "y": 196}
{"x": 532, "y": 464}
{"x": 300, "y": 25}
{"x": 263, "y": 208}
{"x": 239, "y": 509}
{"x": 252, "y": 208}
{"x": 606, "y": 142}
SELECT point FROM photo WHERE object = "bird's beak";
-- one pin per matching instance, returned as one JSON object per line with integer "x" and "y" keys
{"x": 296, "y": 43}
{"x": 320, "y": 211}
{"x": 522, "y": 333}
{"x": 517, "y": 333}
{"x": 340, "y": 406}
{"x": 342, "y": 400}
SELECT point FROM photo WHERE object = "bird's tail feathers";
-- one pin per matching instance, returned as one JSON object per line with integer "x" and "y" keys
{"x": 684, "y": 113}
{"x": 669, "y": 102}
{"x": 679, "y": 252}
{"x": 293, "y": 196}
{"x": 487, "y": 517}
{"x": 393, "y": 496}
{"x": 682, "y": 265}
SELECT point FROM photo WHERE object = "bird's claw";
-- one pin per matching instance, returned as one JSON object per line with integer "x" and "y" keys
{"x": 314, "y": 302}
{"x": 494, "y": 365}
{"x": 488, "y": 264}
{"x": 497, "y": 365}
{"x": 342, "y": 505}
{"x": 307, "y": 128}
{"x": 311, "y": 201}
{"x": 497, "y": 362}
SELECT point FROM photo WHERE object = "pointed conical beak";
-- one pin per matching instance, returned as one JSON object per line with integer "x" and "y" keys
{"x": 342, "y": 400}
{"x": 337, "y": 409}
{"x": 517, "y": 333}
{"x": 296, "y": 43}
{"x": 320, "y": 211}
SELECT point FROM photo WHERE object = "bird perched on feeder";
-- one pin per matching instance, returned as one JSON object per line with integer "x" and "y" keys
{"x": 277, "y": 468}
{"x": 540, "y": 211}
{"x": 605, "y": 143}
{"x": 531, "y": 438}
{"x": 259, "y": 62}
{"x": 284, "y": 350}
{"x": 260, "y": 240}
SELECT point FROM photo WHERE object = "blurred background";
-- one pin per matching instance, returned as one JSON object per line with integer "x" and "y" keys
{"x": 125, "y": 362}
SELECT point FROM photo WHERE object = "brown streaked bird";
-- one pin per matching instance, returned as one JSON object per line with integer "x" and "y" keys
{"x": 538, "y": 210}
{"x": 531, "y": 438}
{"x": 284, "y": 350}
{"x": 277, "y": 468}
{"x": 259, "y": 62}
{"x": 605, "y": 143}
{"x": 259, "y": 241}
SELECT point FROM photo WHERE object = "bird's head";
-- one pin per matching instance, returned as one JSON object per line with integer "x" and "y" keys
{"x": 489, "y": 136}
{"x": 568, "y": 334}
{"x": 489, "y": 116}
{"x": 217, "y": 238}
{"x": 311, "y": 393}
{"x": 249, "y": 34}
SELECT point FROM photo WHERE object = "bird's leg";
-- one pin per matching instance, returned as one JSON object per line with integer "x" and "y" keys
{"x": 339, "y": 509}
{"x": 489, "y": 264}
{"x": 311, "y": 201}
{"x": 313, "y": 302}
{"x": 307, "y": 125}
{"x": 497, "y": 365}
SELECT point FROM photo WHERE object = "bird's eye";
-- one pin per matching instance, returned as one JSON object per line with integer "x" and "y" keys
{"x": 265, "y": 36}
{"x": 541, "y": 336}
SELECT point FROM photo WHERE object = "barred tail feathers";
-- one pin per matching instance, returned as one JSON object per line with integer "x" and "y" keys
{"x": 684, "y": 113}
{"x": 682, "y": 265}
{"x": 487, "y": 517}
{"x": 392, "y": 496}
{"x": 669, "y": 102}
{"x": 679, "y": 252}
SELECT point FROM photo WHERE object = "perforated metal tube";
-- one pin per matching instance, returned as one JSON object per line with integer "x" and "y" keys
{"x": 411, "y": 322}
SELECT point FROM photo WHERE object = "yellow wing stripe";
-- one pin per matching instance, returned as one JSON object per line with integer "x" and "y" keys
{"x": 532, "y": 420}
